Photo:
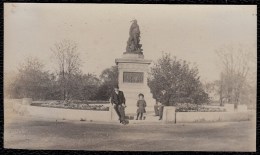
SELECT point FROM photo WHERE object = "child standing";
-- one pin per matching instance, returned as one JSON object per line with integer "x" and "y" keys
{"x": 141, "y": 104}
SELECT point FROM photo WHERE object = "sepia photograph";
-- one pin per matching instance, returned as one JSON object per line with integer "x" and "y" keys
{"x": 130, "y": 77}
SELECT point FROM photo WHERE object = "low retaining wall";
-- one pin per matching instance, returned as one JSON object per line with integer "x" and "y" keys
{"x": 231, "y": 108}
{"x": 17, "y": 106}
{"x": 68, "y": 114}
{"x": 192, "y": 117}
{"x": 23, "y": 107}
{"x": 231, "y": 115}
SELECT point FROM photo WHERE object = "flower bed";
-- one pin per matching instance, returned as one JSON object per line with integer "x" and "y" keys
{"x": 73, "y": 105}
{"x": 188, "y": 107}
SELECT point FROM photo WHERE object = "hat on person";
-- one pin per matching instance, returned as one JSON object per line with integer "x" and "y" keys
{"x": 141, "y": 94}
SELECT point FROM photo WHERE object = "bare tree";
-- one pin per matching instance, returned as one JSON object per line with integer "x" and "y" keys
{"x": 31, "y": 63}
{"x": 235, "y": 68}
{"x": 68, "y": 60}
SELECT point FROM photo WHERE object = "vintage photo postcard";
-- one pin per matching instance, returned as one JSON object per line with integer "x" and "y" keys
{"x": 123, "y": 77}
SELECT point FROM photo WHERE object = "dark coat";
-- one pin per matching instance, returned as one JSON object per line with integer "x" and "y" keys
{"x": 164, "y": 99}
{"x": 141, "y": 104}
{"x": 117, "y": 99}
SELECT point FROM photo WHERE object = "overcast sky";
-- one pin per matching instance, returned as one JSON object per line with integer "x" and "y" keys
{"x": 189, "y": 32}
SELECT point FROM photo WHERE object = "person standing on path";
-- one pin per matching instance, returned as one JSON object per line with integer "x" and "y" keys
{"x": 118, "y": 102}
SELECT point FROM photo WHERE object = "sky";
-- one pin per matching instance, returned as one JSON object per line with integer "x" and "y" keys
{"x": 189, "y": 32}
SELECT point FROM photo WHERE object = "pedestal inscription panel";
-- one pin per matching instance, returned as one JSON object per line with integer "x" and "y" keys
{"x": 133, "y": 77}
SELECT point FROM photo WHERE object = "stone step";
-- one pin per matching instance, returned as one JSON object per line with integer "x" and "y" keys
{"x": 130, "y": 94}
{"x": 133, "y": 102}
{"x": 131, "y": 109}
{"x": 149, "y": 116}
{"x": 130, "y": 113}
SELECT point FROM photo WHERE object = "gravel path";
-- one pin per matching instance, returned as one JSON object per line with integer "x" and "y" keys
{"x": 28, "y": 133}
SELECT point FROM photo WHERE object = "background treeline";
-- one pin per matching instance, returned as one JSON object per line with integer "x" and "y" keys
{"x": 236, "y": 83}
{"x": 66, "y": 82}
{"x": 34, "y": 82}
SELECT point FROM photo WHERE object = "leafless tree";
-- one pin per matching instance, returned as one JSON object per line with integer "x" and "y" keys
{"x": 69, "y": 62}
{"x": 31, "y": 63}
{"x": 235, "y": 67}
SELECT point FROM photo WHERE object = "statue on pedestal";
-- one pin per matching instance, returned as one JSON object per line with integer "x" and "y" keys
{"x": 133, "y": 43}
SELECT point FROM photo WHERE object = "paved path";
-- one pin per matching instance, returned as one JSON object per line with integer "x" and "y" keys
{"x": 28, "y": 133}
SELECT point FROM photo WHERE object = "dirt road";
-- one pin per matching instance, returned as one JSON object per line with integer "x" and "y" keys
{"x": 27, "y": 133}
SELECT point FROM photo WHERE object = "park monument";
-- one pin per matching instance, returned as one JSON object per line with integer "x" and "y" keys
{"x": 133, "y": 71}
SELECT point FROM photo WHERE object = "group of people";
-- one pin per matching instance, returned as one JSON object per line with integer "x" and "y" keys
{"x": 118, "y": 102}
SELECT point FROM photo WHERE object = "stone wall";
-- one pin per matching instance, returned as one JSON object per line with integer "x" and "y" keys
{"x": 68, "y": 114}
{"x": 22, "y": 107}
{"x": 231, "y": 115}
{"x": 193, "y": 117}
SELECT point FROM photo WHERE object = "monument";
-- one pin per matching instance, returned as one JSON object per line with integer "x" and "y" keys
{"x": 133, "y": 72}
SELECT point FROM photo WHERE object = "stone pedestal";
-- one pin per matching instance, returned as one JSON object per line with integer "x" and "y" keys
{"x": 27, "y": 101}
{"x": 169, "y": 114}
{"x": 229, "y": 107}
{"x": 22, "y": 108}
{"x": 113, "y": 114}
{"x": 133, "y": 73}
{"x": 241, "y": 108}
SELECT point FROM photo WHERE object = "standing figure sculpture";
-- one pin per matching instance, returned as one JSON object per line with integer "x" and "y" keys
{"x": 133, "y": 43}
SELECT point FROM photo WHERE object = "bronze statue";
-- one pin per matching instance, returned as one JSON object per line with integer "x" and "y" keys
{"x": 133, "y": 43}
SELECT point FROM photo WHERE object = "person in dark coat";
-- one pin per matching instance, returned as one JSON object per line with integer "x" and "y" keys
{"x": 118, "y": 101}
{"x": 141, "y": 104}
{"x": 163, "y": 101}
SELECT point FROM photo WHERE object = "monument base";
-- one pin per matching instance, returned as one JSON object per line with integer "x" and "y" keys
{"x": 133, "y": 53}
{"x": 132, "y": 80}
